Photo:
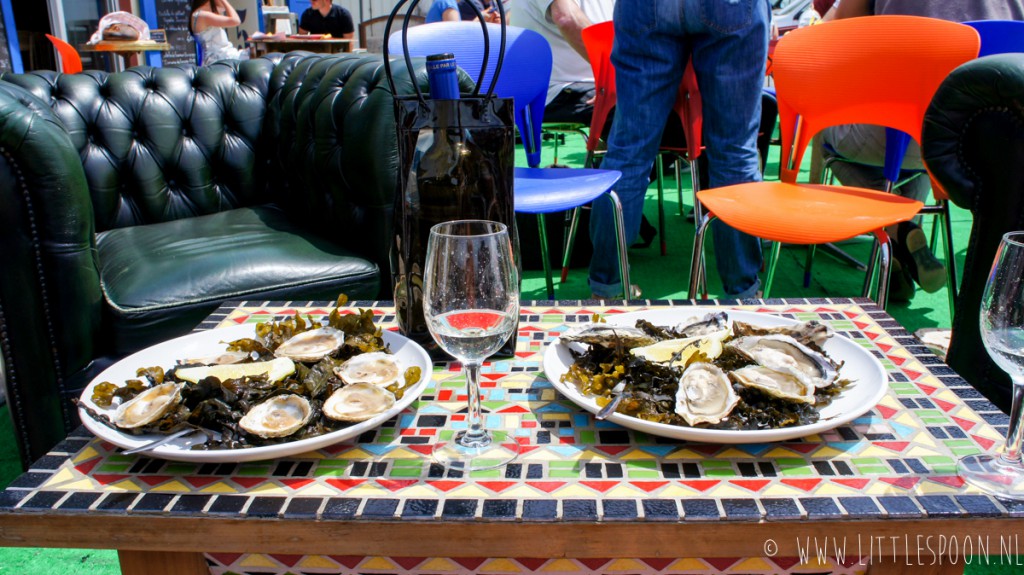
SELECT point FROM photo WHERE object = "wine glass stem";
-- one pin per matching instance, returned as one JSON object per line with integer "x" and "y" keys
{"x": 475, "y": 433}
{"x": 1011, "y": 451}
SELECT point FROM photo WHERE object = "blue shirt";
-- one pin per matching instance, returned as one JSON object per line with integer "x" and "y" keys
{"x": 438, "y": 8}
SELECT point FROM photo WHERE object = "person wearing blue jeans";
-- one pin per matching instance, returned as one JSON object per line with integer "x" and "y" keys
{"x": 728, "y": 40}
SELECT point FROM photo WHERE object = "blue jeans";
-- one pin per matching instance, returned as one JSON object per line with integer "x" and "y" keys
{"x": 728, "y": 40}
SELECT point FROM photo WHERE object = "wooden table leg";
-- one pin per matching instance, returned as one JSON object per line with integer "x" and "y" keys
{"x": 162, "y": 563}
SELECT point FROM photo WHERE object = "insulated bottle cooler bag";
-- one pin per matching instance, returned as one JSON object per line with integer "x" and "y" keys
{"x": 456, "y": 160}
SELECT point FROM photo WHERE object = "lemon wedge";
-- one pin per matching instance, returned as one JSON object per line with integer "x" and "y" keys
{"x": 663, "y": 351}
{"x": 275, "y": 370}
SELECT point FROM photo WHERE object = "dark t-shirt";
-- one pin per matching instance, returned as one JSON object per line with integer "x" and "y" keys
{"x": 466, "y": 11}
{"x": 337, "y": 23}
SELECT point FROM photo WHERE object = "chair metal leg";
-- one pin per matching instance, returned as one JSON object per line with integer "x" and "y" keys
{"x": 773, "y": 260}
{"x": 807, "y": 264}
{"x": 695, "y": 186}
{"x": 570, "y": 240}
{"x": 676, "y": 165}
{"x": 950, "y": 251}
{"x": 697, "y": 261}
{"x": 869, "y": 278}
{"x": 885, "y": 251}
{"x": 543, "y": 231}
{"x": 661, "y": 202}
{"x": 698, "y": 215}
{"x": 620, "y": 232}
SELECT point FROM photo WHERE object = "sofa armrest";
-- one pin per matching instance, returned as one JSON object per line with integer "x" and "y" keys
{"x": 50, "y": 298}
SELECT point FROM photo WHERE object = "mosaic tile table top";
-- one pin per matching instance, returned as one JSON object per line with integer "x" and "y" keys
{"x": 898, "y": 461}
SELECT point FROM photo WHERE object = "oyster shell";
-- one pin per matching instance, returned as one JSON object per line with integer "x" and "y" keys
{"x": 358, "y": 402}
{"x": 279, "y": 416}
{"x": 807, "y": 333}
{"x": 774, "y": 383}
{"x": 705, "y": 394}
{"x": 312, "y": 345}
{"x": 607, "y": 335}
{"x": 148, "y": 406}
{"x": 377, "y": 368}
{"x": 785, "y": 354}
{"x": 711, "y": 323}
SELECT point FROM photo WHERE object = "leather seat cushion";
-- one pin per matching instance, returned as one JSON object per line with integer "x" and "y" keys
{"x": 162, "y": 279}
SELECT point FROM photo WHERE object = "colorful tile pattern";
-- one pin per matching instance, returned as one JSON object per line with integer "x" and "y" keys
{"x": 898, "y": 460}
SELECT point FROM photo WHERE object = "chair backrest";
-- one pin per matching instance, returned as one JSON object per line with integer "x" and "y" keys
{"x": 999, "y": 36}
{"x": 371, "y": 32}
{"x": 598, "y": 40}
{"x": 880, "y": 70}
{"x": 525, "y": 72}
{"x": 71, "y": 62}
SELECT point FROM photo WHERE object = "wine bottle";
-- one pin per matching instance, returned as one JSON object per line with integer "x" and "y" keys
{"x": 451, "y": 178}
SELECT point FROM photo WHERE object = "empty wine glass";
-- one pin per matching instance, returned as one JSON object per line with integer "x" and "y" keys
{"x": 471, "y": 305}
{"x": 1002, "y": 331}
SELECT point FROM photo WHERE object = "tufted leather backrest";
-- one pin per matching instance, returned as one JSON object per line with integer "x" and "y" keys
{"x": 161, "y": 144}
{"x": 94, "y": 151}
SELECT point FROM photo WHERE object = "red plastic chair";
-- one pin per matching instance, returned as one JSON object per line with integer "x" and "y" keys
{"x": 598, "y": 39}
{"x": 880, "y": 70}
{"x": 71, "y": 62}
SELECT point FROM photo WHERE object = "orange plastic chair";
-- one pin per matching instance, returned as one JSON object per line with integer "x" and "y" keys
{"x": 598, "y": 39}
{"x": 879, "y": 70}
{"x": 71, "y": 62}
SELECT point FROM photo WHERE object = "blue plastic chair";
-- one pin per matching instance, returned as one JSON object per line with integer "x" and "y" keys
{"x": 525, "y": 73}
{"x": 199, "y": 50}
{"x": 999, "y": 36}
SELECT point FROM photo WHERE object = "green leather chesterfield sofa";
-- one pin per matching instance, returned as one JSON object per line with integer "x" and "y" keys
{"x": 133, "y": 204}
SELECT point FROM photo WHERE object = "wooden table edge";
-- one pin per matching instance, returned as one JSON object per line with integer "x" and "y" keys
{"x": 490, "y": 539}
{"x": 124, "y": 46}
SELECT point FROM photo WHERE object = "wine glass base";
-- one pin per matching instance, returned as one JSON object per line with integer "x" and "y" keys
{"x": 993, "y": 476}
{"x": 498, "y": 449}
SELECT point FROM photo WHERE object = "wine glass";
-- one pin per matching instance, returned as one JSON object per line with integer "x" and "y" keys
{"x": 1002, "y": 331}
{"x": 471, "y": 305}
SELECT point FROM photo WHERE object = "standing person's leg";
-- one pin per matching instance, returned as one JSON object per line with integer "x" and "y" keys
{"x": 648, "y": 56}
{"x": 730, "y": 48}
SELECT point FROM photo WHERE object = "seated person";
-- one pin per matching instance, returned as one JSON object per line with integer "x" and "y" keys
{"x": 323, "y": 17}
{"x": 457, "y": 10}
{"x": 571, "y": 92}
{"x": 864, "y": 145}
{"x": 208, "y": 21}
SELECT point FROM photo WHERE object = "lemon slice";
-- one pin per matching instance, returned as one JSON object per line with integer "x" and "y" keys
{"x": 275, "y": 370}
{"x": 663, "y": 351}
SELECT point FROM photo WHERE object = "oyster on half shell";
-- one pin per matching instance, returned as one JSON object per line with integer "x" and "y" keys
{"x": 279, "y": 416}
{"x": 607, "y": 335}
{"x": 775, "y": 383}
{"x": 785, "y": 354}
{"x": 705, "y": 394}
{"x": 710, "y": 323}
{"x": 312, "y": 345}
{"x": 377, "y": 368}
{"x": 358, "y": 402}
{"x": 808, "y": 332}
{"x": 148, "y": 406}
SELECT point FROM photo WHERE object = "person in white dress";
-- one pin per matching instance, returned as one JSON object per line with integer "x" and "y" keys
{"x": 208, "y": 21}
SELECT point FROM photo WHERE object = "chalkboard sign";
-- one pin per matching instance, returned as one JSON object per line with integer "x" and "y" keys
{"x": 172, "y": 16}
